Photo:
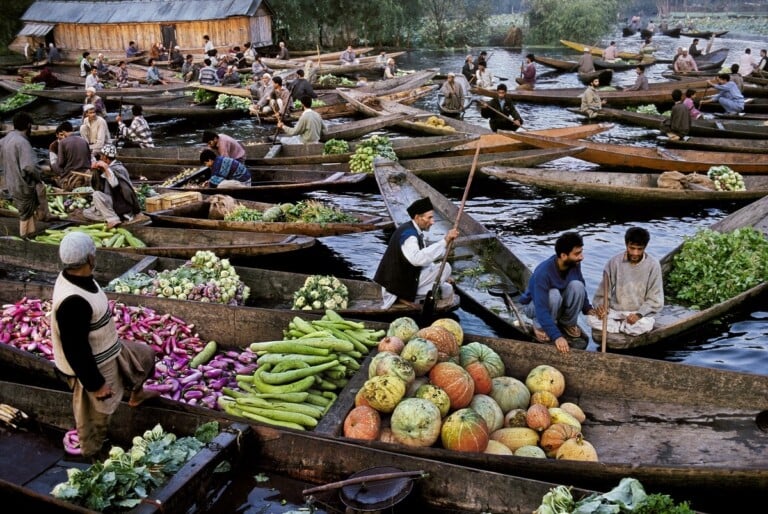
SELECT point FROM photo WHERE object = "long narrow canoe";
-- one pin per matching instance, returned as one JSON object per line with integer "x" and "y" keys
{"x": 605, "y": 75}
{"x": 196, "y": 215}
{"x": 625, "y": 157}
{"x": 595, "y": 50}
{"x": 184, "y": 243}
{"x": 717, "y": 144}
{"x": 33, "y": 461}
{"x": 292, "y": 461}
{"x": 327, "y": 57}
{"x": 700, "y": 127}
{"x": 673, "y": 414}
{"x": 558, "y": 64}
{"x": 704, "y": 34}
{"x": 479, "y": 260}
{"x": 676, "y": 318}
{"x": 624, "y": 187}
{"x": 624, "y": 65}
{"x": 270, "y": 289}
{"x": 75, "y": 94}
{"x": 711, "y": 61}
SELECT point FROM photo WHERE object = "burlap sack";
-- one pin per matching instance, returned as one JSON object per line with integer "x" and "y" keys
{"x": 221, "y": 205}
{"x": 698, "y": 182}
{"x": 671, "y": 180}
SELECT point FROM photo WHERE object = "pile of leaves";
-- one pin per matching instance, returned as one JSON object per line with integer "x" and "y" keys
{"x": 203, "y": 96}
{"x": 19, "y": 99}
{"x": 335, "y": 146}
{"x": 629, "y": 496}
{"x": 307, "y": 211}
{"x": 713, "y": 267}
{"x": 315, "y": 103}
{"x": 125, "y": 478}
{"x": 232, "y": 102}
{"x": 362, "y": 160}
{"x": 329, "y": 81}
{"x": 645, "y": 109}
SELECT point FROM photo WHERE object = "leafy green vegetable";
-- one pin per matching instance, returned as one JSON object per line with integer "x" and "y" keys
{"x": 308, "y": 211}
{"x": 362, "y": 160}
{"x": 125, "y": 478}
{"x": 225, "y": 101}
{"x": 203, "y": 96}
{"x": 335, "y": 146}
{"x": 315, "y": 103}
{"x": 726, "y": 179}
{"x": 712, "y": 267}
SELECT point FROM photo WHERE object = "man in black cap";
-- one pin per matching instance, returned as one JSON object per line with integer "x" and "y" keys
{"x": 408, "y": 270}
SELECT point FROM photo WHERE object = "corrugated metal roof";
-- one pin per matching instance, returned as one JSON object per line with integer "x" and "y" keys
{"x": 36, "y": 29}
{"x": 138, "y": 11}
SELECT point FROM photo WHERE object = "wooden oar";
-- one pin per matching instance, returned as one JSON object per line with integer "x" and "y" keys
{"x": 364, "y": 479}
{"x": 429, "y": 301}
{"x": 484, "y": 104}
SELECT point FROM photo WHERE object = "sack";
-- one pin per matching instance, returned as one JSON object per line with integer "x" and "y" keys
{"x": 671, "y": 180}
{"x": 221, "y": 206}
{"x": 699, "y": 182}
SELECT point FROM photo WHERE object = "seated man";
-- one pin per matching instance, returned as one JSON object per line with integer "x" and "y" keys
{"x": 635, "y": 291}
{"x": 114, "y": 199}
{"x": 308, "y": 129}
{"x": 226, "y": 172}
{"x": 728, "y": 96}
{"x": 501, "y": 111}
{"x": 557, "y": 293}
{"x": 408, "y": 270}
{"x": 73, "y": 158}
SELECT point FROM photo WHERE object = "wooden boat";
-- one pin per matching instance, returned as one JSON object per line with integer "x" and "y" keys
{"x": 323, "y": 58}
{"x": 185, "y": 108}
{"x": 675, "y": 32}
{"x": 33, "y": 460}
{"x": 558, "y": 64}
{"x": 646, "y": 34}
{"x": 293, "y": 462}
{"x": 594, "y": 50}
{"x": 14, "y": 88}
{"x": 674, "y": 414}
{"x": 196, "y": 215}
{"x": 741, "y": 116}
{"x": 717, "y": 144}
{"x": 706, "y": 34}
{"x": 264, "y": 181}
{"x": 623, "y": 187}
{"x": 712, "y": 61}
{"x": 36, "y": 131}
{"x": 270, "y": 289}
{"x": 398, "y": 84}
{"x": 375, "y": 107}
{"x": 700, "y": 127}
{"x": 144, "y": 95}
{"x": 477, "y": 249}
{"x": 628, "y": 64}
{"x": 751, "y": 105}
{"x": 626, "y": 157}
{"x": 604, "y": 76}
{"x": 628, "y": 31}
{"x": 658, "y": 93}
{"x": 676, "y": 318}
{"x": 184, "y": 243}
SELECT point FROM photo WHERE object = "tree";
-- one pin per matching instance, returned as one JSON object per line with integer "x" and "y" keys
{"x": 439, "y": 12}
{"x": 582, "y": 20}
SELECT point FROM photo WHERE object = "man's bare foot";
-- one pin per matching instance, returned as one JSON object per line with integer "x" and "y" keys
{"x": 140, "y": 396}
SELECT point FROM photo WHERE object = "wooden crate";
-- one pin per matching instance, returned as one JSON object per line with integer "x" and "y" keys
{"x": 170, "y": 200}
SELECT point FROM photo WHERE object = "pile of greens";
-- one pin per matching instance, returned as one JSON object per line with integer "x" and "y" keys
{"x": 335, "y": 146}
{"x": 712, "y": 267}
{"x": 329, "y": 80}
{"x": 645, "y": 109}
{"x": 125, "y": 478}
{"x": 628, "y": 497}
{"x": 203, "y": 96}
{"x": 315, "y": 103}
{"x": 19, "y": 99}
{"x": 232, "y": 102}
{"x": 307, "y": 211}
{"x": 362, "y": 160}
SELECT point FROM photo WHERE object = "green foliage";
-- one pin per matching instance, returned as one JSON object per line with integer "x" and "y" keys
{"x": 203, "y": 96}
{"x": 10, "y": 22}
{"x": 225, "y": 101}
{"x": 335, "y": 146}
{"x": 580, "y": 20}
{"x": 712, "y": 267}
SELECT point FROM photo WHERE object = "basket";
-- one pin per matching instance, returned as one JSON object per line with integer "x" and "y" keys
{"x": 171, "y": 200}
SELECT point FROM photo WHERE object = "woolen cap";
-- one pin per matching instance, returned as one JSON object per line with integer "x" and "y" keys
{"x": 420, "y": 207}
{"x": 75, "y": 248}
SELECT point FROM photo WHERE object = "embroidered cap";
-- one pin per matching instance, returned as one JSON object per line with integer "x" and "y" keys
{"x": 109, "y": 150}
{"x": 420, "y": 207}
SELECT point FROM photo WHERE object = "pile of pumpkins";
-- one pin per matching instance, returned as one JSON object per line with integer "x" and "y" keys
{"x": 424, "y": 386}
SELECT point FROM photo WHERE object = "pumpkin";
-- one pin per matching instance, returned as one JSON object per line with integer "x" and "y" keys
{"x": 510, "y": 393}
{"x": 482, "y": 353}
{"x": 392, "y": 364}
{"x": 447, "y": 347}
{"x": 489, "y": 410}
{"x": 416, "y": 422}
{"x": 363, "y": 423}
{"x": 558, "y": 415}
{"x": 404, "y": 328}
{"x": 391, "y": 344}
{"x": 496, "y": 448}
{"x": 452, "y": 326}
{"x": 383, "y": 392}
{"x": 575, "y": 411}
{"x": 545, "y": 398}
{"x": 537, "y": 417}
{"x": 480, "y": 377}
{"x": 435, "y": 395}
{"x": 421, "y": 354}
{"x": 464, "y": 431}
{"x": 455, "y": 381}
{"x": 554, "y": 436}
{"x": 530, "y": 451}
{"x": 374, "y": 364}
{"x": 577, "y": 448}
{"x": 546, "y": 378}
{"x": 516, "y": 418}
{"x": 514, "y": 438}
{"x": 360, "y": 399}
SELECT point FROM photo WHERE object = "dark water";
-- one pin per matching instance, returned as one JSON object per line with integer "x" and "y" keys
{"x": 528, "y": 220}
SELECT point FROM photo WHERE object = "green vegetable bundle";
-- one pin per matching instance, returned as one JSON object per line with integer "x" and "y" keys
{"x": 305, "y": 211}
{"x": 335, "y": 146}
{"x": 726, "y": 179}
{"x": 713, "y": 267}
{"x": 329, "y": 80}
{"x": 321, "y": 292}
{"x": 316, "y": 102}
{"x": 19, "y": 99}
{"x": 232, "y": 102}
{"x": 102, "y": 236}
{"x": 362, "y": 160}
{"x": 203, "y": 96}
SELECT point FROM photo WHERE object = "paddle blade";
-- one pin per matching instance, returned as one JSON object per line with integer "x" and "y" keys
{"x": 428, "y": 310}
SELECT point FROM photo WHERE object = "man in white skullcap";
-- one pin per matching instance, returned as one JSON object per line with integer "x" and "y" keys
{"x": 94, "y": 129}
{"x": 114, "y": 198}
{"x": 99, "y": 367}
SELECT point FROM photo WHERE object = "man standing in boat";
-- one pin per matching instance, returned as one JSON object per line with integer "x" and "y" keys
{"x": 611, "y": 53}
{"x": 99, "y": 367}
{"x": 635, "y": 290}
{"x": 527, "y": 78}
{"x": 557, "y": 293}
{"x": 408, "y": 269}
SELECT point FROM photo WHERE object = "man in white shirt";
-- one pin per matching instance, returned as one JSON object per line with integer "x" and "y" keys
{"x": 747, "y": 63}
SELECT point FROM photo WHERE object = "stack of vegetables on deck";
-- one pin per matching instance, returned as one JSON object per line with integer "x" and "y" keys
{"x": 427, "y": 386}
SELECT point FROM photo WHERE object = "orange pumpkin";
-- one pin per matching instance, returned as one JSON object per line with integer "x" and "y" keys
{"x": 545, "y": 398}
{"x": 554, "y": 437}
{"x": 577, "y": 448}
{"x": 465, "y": 431}
{"x": 455, "y": 381}
{"x": 480, "y": 376}
{"x": 447, "y": 346}
{"x": 538, "y": 417}
{"x": 363, "y": 423}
